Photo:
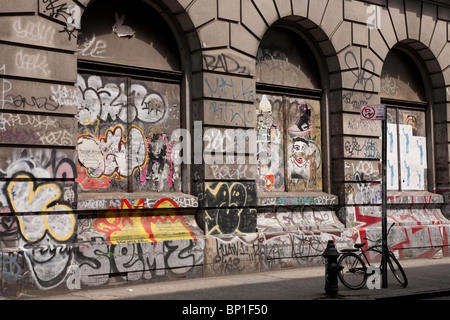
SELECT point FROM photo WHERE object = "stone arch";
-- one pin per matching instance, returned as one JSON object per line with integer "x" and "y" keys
{"x": 417, "y": 29}
{"x": 181, "y": 27}
{"x": 421, "y": 31}
{"x": 302, "y": 19}
{"x": 322, "y": 50}
{"x": 433, "y": 78}
{"x": 178, "y": 20}
{"x": 306, "y": 19}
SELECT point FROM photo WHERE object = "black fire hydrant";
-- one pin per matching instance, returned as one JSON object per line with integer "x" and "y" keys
{"x": 332, "y": 268}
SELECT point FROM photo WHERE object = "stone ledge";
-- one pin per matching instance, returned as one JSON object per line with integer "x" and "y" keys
{"x": 414, "y": 197}
{"x": 135, "y": 200}
{"x": 317, "y": 198}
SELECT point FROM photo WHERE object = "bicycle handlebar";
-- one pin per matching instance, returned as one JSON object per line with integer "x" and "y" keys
{"x": 391, "y": 227}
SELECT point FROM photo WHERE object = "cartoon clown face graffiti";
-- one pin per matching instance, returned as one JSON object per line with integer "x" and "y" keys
{"x": 298, "y": 150}
{"x": 299, "y": 166}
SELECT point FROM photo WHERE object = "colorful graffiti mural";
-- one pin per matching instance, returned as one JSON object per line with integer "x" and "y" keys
{"x": 130, "y": 224}
{"x": 133, "y": 243}
{"x": 288, "y": 144}
{"x": 52, "y": 242}
{"x": 286, "y": 238}
{"x": 59, "y": 249}
{"x": 419, "y": 231}
{"x": 42, "y": 217}
{"x": 115, "y": 155}
{"x": 109, "y": 155}
{"x": 303, "y": 141}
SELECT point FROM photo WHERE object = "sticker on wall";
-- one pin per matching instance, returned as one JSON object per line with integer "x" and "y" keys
{"x": 269, "y": 129}
{"x": 413, "y": 164}
{"x": 264, "y": 104}
{"x": 392, "y": 157}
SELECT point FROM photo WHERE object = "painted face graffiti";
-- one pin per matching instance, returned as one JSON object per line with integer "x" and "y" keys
{"x": 299, "y": 167}
{"x": 303, "y": 147}
{"x": 288, "y": 144}
{"x": 298, "y": 150}
{"x": 304, "y": 160}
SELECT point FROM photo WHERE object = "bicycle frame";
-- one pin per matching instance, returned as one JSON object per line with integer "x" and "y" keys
{"x": 356, "y": 265}
{"x": 374, "y": 248}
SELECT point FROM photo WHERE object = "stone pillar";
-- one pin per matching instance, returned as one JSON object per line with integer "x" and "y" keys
{"x": 38, "y": 136}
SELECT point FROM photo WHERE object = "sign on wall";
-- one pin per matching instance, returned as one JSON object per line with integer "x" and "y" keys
{"x": 373, "y": 112}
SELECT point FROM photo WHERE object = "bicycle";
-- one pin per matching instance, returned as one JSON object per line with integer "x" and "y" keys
{"x": 354, "y": 272}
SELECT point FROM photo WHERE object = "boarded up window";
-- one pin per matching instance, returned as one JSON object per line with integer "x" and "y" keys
{"x": 129, "y": 99}
{"x": 403, "y": 91}
{"x": 124, "y": 134}
{"x": 288, "y": 144}
{"x": 406, "y": 150}
{"x": 289, "y": 136}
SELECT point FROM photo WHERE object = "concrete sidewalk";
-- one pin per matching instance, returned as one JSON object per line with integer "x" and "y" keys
{"x": 425, "y": 276}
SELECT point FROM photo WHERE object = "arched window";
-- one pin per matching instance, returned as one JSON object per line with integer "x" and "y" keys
{"x": 289, "y": 133}
{"x": 129, "y": 78}
{"x": 402, "y": 90}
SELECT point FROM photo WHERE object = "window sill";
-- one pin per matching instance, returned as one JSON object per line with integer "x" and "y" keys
{"x": 312, "y": 198}
{"x": 135, "y": 200}
{"x": 413, "y": 197}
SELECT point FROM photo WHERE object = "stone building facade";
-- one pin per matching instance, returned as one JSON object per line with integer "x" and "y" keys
{"x": 152, "y": 140}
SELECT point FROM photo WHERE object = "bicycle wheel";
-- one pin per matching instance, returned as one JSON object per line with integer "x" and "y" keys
{"x": 397, "y": 270}
{"x": 353, "y": 275}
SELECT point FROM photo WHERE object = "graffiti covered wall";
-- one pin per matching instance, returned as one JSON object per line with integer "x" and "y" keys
{"x": 124, "y": 140}
{"x": 288, "y": 144}
{"x": 286, "y": 237}
{"x": 127, "y": 243}
{"x": 91, "y": 194}
{"x": 420, "y": 230}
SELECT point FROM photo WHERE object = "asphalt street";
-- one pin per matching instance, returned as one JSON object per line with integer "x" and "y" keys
{"x": 428, "y": 279}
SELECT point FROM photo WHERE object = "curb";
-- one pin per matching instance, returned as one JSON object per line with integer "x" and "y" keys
{"x": 418, "y": 295}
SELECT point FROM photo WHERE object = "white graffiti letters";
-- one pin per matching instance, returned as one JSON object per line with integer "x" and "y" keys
{"x": 36, "y": 63}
